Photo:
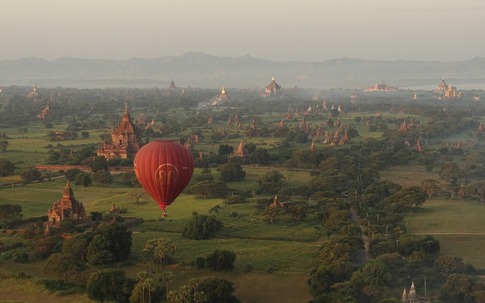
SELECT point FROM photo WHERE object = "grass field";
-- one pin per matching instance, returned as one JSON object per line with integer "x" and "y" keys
{"x": 457, "y": 224}
{"x": 279, "y": 254}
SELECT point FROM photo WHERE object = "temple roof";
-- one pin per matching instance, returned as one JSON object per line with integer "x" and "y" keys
{"x": 273, "y": 85}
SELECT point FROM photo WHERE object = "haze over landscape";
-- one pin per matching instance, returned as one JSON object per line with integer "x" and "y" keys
{"x": 308, "y": 30}
{"x": 242, "y": 44}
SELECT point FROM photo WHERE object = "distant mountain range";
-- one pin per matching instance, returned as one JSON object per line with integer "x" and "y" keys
{"x": 206, "y": 71}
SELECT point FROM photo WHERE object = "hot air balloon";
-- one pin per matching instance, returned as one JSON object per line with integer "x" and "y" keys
{"x": 163, "y": 168}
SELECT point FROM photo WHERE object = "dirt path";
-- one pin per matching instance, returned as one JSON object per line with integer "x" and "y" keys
{"x": 364, "y": 254}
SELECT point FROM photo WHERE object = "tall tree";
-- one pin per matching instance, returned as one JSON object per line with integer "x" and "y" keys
{"x": 64, "y": 266}
{"x": 111, "y": 243}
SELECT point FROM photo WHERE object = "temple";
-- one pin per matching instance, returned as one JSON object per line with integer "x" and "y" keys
{"x": 447, "y": 90}
{"x": 44, "y": 112}
{"x": 409, "y": 296}
{"x": 272, "y": 89}
{"x": 222, "y": 98}
{"x": 172, "y": 89}
{"x": 380, "y": 87}
{"x": 125, "y": 140}
{"x": 34, "y": 94}
{"x": 66, "y": 208}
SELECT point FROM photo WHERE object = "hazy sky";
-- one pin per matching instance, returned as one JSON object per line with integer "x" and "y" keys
{"x": 280, "y": 30}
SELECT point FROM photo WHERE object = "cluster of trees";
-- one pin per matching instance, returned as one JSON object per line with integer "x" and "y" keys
{"x": 201, "y": 227}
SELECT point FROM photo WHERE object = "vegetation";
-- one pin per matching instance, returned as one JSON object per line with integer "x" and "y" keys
{"x": 353, "y": 221}
{"x": 201, "y": 227}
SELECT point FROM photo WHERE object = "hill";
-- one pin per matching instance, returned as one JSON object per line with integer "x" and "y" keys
{"x": 202, "y": 70}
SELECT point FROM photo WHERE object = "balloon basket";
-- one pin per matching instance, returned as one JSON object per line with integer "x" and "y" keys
{"x": 164, "y": 214}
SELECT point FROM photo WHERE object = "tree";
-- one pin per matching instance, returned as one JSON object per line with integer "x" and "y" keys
{"x": 201, "y": 227}
{"x": 63, "y": 266}
{"x": 3, "y": 145}
{"x": 272, "y": 214}
{"x": 102, "y": 176}
{"x": 217, "y": 290}
{"x": 431, "y": 187}
{"x": 72, "y": 173}
{"x": 209, "y": 189}
{"x": 137, "y": 194}
{"x": 260, "y": 156}
{"x": 43, "y": 247}
{"x": 99, "y": 163}
{"x": 225, "y": 149}
{"x": 410, "y": 243}
{"x": 30, "y": 174}
{"x": 10, "y": 213}
{"x": 129, "y": 179}
{"x": 167, "y": 277}
{"x": 187, "y": 294}
{"x": 77, "y": 246}
{"x": 145, "y": 289}
{"x": 476, "y": 190}
{"x": 230, "y": 172}
{"x": 159, "y": 250}
{"x": 7, "y": 168}
{"x": 83, "y": 179}
{"x": 450, "y": 172}
{"x": 221, "y": 260}
{"x": 109, "y": 285}
{"x": 271, "y": 182}
{"x": 324, "y": 276}
{"x": 457, "y": 286}
{"x": 406, "y": 199}
{"x": 111, "y": 243}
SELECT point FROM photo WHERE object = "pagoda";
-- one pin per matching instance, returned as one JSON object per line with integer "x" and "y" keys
{"x": 223, "y": 96}
{"x": 172, "y": 89}
{"x": 44, "y": 112}
{"x": 66, "y": 208}
{"x": 272, "y": 89}
{"x": 34, "y": 94}
{"x": 125, "y": 140}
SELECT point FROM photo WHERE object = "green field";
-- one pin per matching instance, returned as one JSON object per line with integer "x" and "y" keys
{"x": 457, "y": 224}
{"x": 287, "y": 251}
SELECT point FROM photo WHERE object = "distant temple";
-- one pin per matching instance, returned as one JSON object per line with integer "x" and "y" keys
{"x": 223, "y": 97}
{"x": 442, "y": 88}
{"x": 380, "y": 87}
{"x": 125, "y": 140}
{"x": 34, "y": 94}
{"x": 66, "y": 208}
{"x": 240, "y": 151}
{"x": 172, "y": 89}
{"x": 272, "y": 89}
{"x": 45, "y": 111}
{"x": 447, "y": 90}
{"x": 409, "y": 296}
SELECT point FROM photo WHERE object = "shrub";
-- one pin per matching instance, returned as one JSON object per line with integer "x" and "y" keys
{"x": 221, "y": 260}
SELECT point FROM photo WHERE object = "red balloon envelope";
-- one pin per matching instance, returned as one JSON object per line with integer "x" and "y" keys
{"x": 163, "y": 168}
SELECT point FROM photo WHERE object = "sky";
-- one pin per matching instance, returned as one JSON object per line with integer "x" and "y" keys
{"x": 279, "y": 30}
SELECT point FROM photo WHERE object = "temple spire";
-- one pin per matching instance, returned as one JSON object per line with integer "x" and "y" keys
{"x": 68, "y": 193}
{"x": 126, "y": 114}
